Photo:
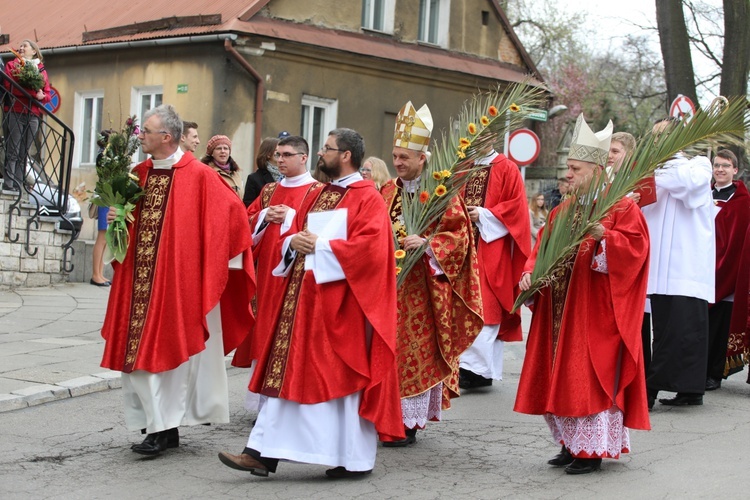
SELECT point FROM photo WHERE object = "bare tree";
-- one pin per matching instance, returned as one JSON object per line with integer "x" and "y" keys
{"x": 675, "y": 49}
{"x": 735, "y": 67}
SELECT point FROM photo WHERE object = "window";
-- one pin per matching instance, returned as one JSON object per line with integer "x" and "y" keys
{"x": 378, "y": 15}
{"x": 88, "y": 123}
{"x": 318, "y": 118}
{"x": 433, "y": 21}
{"x": 143, "y": 99}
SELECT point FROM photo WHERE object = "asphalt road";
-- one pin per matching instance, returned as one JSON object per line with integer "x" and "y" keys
{"x": 79, "y": 448}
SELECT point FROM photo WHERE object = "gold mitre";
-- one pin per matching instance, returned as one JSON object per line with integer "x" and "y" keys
{"x": 413, "y": 128}
{"x": 589, "y": 146}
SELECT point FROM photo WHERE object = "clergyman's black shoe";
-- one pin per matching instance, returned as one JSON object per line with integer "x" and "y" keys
{"x": 158, "y": 442}
{"x": 470, "y": 380}
{"x": 713, "y": 383}
{"x": 684, "y": 399}
{"x": 342, "y": 473}
{"x": 411, "y": 438}
{"x": 651, "y": 398}
{"x": 584, "y": 465}
{"x": 562, "y": 458}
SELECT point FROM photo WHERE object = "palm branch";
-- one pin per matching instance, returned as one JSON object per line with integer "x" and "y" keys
{"x": 484, "y": 119}
{"x": 719, "y": 124}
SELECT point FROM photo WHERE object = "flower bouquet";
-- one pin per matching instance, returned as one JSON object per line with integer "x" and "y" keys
{"x": 27, "y": 73}
{"x": 723, "y": 122}
{"x": 484, "y": 119}
{"x": 116, "y": 186}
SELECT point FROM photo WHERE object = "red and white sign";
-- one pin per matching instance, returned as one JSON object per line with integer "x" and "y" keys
{"x": 682, "y": 106}
{"x": 523, "y": 147}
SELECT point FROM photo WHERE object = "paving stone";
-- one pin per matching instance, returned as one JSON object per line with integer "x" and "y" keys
{"x": 44, "y": 393}
{"x": 85, "y": 385}
{"x": 10, "y": 402}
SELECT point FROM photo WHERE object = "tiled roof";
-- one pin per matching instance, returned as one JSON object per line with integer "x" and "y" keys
{"x": 63, "y": 24}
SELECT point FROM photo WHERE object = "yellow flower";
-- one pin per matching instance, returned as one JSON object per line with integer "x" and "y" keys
{"x": 398, "y": 270}
{"x": 464, "y": 142}
{"x": 472, "y": 128}
{"x": 399, "y": 254}
{"x": 440, "y": 190}
{"x": 437, "y": 175}
{"x": 514, "y": 107}
{"x": 485, "y": 121}
{"x": 461, "y": 154}
{"x": 446, "y": 173}
{"x": 492, "y": 111}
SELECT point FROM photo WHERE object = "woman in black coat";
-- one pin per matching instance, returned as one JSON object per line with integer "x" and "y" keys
{"x": 265, "y": 170}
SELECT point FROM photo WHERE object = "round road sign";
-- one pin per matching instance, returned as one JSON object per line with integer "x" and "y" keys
{"x": 682, "y": 106}
{"x": 54, "y": 104}
{"x": 523, "y": 147}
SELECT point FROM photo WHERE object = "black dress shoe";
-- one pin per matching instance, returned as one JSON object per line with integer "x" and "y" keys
{"x": 562, "y": 458}
{"x": 684, "y": 399}
{"x": 584, "y": 465}
{"x": 470, "y": 380}
{"x": 158, "y": 442}
{"x": 713, "y": 383}
{"x": 96, "y": 283}
{"x": 342, "y": 473}
{"x": 411, "y": 438}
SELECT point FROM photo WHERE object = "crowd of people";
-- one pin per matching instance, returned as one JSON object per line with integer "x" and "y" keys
{"x": 300, "y": 281}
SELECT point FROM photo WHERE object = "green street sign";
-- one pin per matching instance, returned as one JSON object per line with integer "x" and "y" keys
{"x": 539, "y": 115}
{"x": 182, "y": 88}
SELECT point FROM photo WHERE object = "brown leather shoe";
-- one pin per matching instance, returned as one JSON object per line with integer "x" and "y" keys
{"x": 243, "y": 462}
{"x": 342, "y": 473}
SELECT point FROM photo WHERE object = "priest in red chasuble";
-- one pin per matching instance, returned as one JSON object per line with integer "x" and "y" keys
{"x": 271, "y": 217}
{"x": 327, "y": 367}
{"x": 180, "y": 300}
{"x": 583, "y": 369}
{"x": 732, "y": 201}
{"x": 440, "y": 303}
{"x": 496, "y": 200}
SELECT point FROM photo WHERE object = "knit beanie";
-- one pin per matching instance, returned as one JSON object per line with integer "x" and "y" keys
{"x": 215, "y": 141}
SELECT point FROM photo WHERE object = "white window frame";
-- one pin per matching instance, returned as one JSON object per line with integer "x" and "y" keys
{"x": 93, "y": 132}
{"x": 389, "y": 16}
{"x": 136, "y": 94}
{"x": 316, "y": 139}
{"x": 442, "y": 30}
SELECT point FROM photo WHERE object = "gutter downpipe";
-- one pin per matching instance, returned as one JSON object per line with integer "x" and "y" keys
{"x": 259, "y": 90}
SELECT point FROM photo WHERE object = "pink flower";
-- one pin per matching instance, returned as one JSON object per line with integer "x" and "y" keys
{"x": 136, "y": 130}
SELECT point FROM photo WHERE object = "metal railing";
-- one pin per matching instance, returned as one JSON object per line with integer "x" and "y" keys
{"x": 36, "y": 156}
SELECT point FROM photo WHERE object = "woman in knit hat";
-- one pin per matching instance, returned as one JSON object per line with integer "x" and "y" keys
{"x": 218, "y": 157}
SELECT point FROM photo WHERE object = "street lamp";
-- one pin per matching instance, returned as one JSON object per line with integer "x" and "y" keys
{"x": 556, "y": 111}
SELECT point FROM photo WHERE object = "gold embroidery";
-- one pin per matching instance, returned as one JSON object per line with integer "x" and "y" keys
{"x": 147, "y": 236}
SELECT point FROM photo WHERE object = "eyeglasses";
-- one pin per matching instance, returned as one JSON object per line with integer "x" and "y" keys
{"x": 326, "y": 149}
{"x": 363, "y": 170}
{"x": 145, "y": 131}
{"x": 727, "y": 166}
{"x": 286, "y": 155}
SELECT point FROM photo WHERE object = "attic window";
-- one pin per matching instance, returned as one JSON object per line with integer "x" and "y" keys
{"x": 485, "y": 18}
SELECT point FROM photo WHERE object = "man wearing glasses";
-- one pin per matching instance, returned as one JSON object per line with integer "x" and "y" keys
{"x": 732, "y": 201}
{"x": 165, "y": 329}
{"x": 271, "y": 216}
{"x": 328, "y": 369}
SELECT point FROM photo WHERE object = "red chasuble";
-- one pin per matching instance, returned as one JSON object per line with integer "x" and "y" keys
{"x": 187, "y": 227}
{"x": 585, "y": 322}
{"x": 267, "y": 255}
{"x": 733, "y": 271}
{"x": 500, "y": 189}
{"x": 334, "y": 339}
{"x": 439, "y": 316}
